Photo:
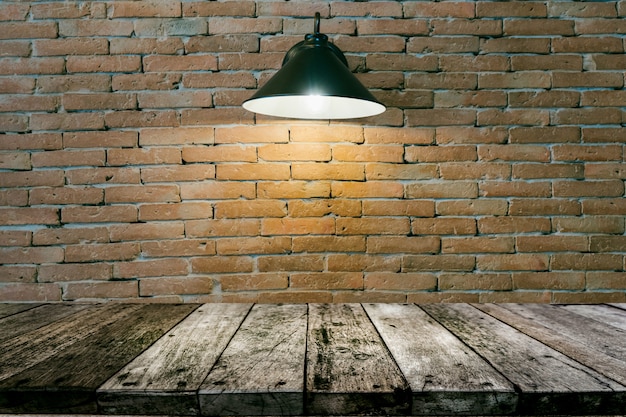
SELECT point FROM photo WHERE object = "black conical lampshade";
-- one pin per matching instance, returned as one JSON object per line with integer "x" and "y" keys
{"x": 314, "y": 83}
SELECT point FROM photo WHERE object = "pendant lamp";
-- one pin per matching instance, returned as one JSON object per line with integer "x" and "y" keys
{"x": 314, "y": 82}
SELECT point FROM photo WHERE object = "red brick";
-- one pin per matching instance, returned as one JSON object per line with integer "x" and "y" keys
{"x": 565, "y": 62}
{"x": 253, "y": 245}
{"x": 29, "y": 215}
{"x": 408, "y": 27}
{"x": 23, "y": 66}
{"x": 479, "y": 244}
{"x": 147, "y": 231}
{"x": 223, "y": 227}
{"x": 67, "y": 121}
{"x": 523, "y": 9}
{"x": 226, "y": 8}
{"x": 11, "y": 48}
{"x": 515, "y": 189}
{"x": 103, "y": 176}
{"x": 548, "y": 170}
{"x": 598, "y": 188}
{"x": 263, "y": 25}
{"x": 512, "y": 262}
{"x": 440, "y": 153}
{"x": 552, "y": 243}
{"x": 517, "y": 224}
{"x": 144, "y": 156}
{"x": 226, "y": 264}
{"x": 459, "y": 189}
{"x": 328, "y": 243}
{"x": 395, "y": 62}
{"x": 594, "y": 153}
{"x": 176, "y": 211}
{"x": 297, "y": 226}
{"x": 438, "y": 117}
{"x": 480, "y": 27}
{"x": 364, "y": 263}
{"x": 510, "y": 152}
{"x": 77, "y": 46}
{"x": 324, "y": 207}
{"x": 152, "y": 268}
{"x": 216, "y": 190}
{"x": 13, "y": 123}
{"x": 21, "y": 274}
{"x": 15, "y": 198}
{"x": 151, "y": 81}
{"x": 15, "y": 238}
{"x": 98, "y": 214}
{"x": 327, "y": 281}
{"x": 178, "y": 247}
{"x": 592, "y": 224}
{"x": 17, "y": 85}
{"x": 516, "y": 45}
{"x": 374, "y": 8}
{"x": 543, "y": 207}
{"x": 475, "y": 281}
{"x": 584, "y": 44}
{"x": 270, "y": 281}
{"x": 605, "y": 280}
{"x": 68, "y": 158}
{"x": 294, "y": 152}
{"x": 175, "y": 285}
{"x": 447, "y": 9}
{"x": 102, "y": 252}
{"x": 293, "y": 189}
{"x": 444, "y": 226}
{"x": 74, "y": 272}
{"x": 68, "y": 10}
{"x": 74, "y": 83}
{"x": 443, "y": 44}
{"x": 28, "y": 103}
{"x": 49, "y": 178}
{"x": 30, "y": 292}
{"x": 146, "y": 118}
{"x": 586, "y": 261}
{"x": 250, "y": 208}
{"x": 548, "y": 280}
{"x": 14, "y": 11}
{"x": 142, "y": 194}
{"x": 305, "y": 133}
{"x": 15, "y": 161}
{"x": 545, "y": 134}
{"x": 100, "y": 139}
{"x": 95, "y": 27}
{"x": 402, "y": 244}
{"x": 374, "y": 171}
{"x": 102, "y": 101}
{"x": 66, "y": 195}
{"x": 538, "y": 27}
{"x": 180, "y": 136}
{"x": 368, "y": 153}
{"x": 225, "y": 153}
{"x": 178, "y": 173}
{"x": 100, "y": 290}
{"x": 157, "y": 63}
{"x": 413, "y": 263}
{"x": 27, "y": 30}
{"x": 472, "y": 207}
{"x": 145, "y": 9}
{"x": 57, "y": 236}
{"x": 373, "y": 225}
{"x": 606, "y": 206}
{"x": 23, "y": 255}
{"x": 465, "y": 135}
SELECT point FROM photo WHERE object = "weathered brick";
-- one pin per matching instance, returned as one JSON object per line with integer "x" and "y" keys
{"x": 402, "y": 244}
{"x": 373, "y": 225}
{"x": 102, "y": 252}
{"x": 29, "y": 215}
{"x": 291, "y": 262}
{"x": 101, "y": 175}
{"x": 297, "y": 226}
{"x": 328, "y": 243}
{"x": 414, "y": 263}
{"x": 176, "y": 211}
{"x": 33, "y": 292}
{"x": 513, "y": 262}
{"x": 327, "y": 281}
{"x": 175, "y": 285}
{"x": 99, "y": 214}
{"x": 223, "y": 227}
{"x": 324, "y": 207}
{"x": 476, "y": 281}
{"x": 549, "y": 280}
{"x": 253, "y": 245}
{"x": 269, "y": 281}
{"x": 364, "y": 263}
{"x": 74, "y": 272}
{"x": 147, "y": 231}
{"x": 101, "y": 290}
{"x": 20, "y": 274}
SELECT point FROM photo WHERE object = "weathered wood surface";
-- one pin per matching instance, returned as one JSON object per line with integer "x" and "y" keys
{"x": 164, "y": 379}
{"x": 601, "y": 313}
{"x": 445, "y": 375}
{"x": 261, "y": 372}
{"x": 549, "y": 381}
{"x": 349, "y": 369}
{"x": 10, "y": 309}
{"x": 597, "y": 345}
{"x": 316, "y": 359}
{"x": 67, "y": 381}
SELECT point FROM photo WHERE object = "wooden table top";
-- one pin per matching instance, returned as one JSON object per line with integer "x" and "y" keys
{"x": 313, "y": 359}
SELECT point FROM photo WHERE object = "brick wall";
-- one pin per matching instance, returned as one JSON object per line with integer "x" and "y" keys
{"x": 128, "y": 169}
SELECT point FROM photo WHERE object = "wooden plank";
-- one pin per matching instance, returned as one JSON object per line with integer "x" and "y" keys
{"x": 35, "y": 318}
{"x": 10, "y": 309}
{"x": 164, "y": 379}
{"x": 32, "y": 347}
{"x": 349, "y": 369}
{"x": 446, "y": 376}
{"x": 597, "y": 336}
{"x": 549, "y": 382}
{"x": 261, "y": 372}
{"x": 584, "y": 344}
{"x": 599, "y": 312}
{"x": 67, "y": 381}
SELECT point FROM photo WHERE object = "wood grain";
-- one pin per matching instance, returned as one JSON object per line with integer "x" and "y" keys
{"x": 261, "y": 372}
{"x": 10, "y": 309}
{"x": 602, "y": 313}
{"x": 67, "y": 381}
{"x": 349, "y": 369}
{"x": 446, "y": 376}
{"x": 549, "y": 382}
{"x": 583, "y": 344}
{"x": 35, "y": 318}
{"x": 164, "y": 379}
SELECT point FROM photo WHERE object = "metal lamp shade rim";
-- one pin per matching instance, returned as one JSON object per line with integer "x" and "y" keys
{"x": 314, "y": 83}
